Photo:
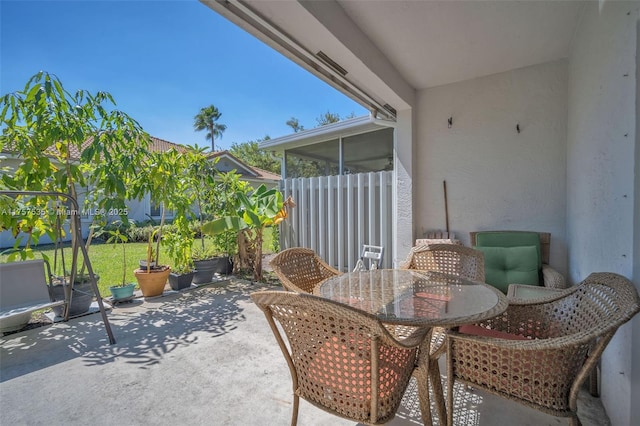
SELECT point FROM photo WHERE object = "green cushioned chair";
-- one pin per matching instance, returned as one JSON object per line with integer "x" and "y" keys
{"x": 516, "y": 257}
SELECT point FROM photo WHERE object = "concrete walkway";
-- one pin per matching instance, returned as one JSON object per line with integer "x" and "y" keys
{"x": 201, "y": 357}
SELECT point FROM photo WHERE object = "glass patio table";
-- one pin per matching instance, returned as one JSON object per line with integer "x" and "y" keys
{"x": 403, "y": 297}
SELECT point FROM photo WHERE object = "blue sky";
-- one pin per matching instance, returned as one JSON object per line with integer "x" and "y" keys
{"x": 162, "y": 61}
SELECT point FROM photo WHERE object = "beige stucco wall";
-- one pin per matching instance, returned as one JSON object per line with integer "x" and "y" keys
{"x": 635, "y": 341}
{"x": 601, "y": 143}
{"x": 496, "y": 177}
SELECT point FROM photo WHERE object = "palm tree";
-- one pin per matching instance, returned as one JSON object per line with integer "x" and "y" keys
{"x": 206, "y": 120}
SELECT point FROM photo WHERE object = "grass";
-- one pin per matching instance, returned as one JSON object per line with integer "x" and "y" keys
{"x": 107, "y": 262}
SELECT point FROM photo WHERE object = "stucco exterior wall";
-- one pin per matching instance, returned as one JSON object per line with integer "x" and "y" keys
{"x": 635, "y": 342}
{"x": 600, "y": 172}
{"x": 497, "y": 178}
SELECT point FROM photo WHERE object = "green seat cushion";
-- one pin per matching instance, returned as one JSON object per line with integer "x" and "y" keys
{"x": 510, "y": 265}
{"x": 510, "y": 239}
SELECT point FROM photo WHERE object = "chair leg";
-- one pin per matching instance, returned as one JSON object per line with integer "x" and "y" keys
{"x": 450, "y": 383}
{"x": 574, "y": 420}
{"x": 436, "y": 385}
{"x": 423, "y": 396}
{"x": 593, "y": 382}
{"x": 296, "y": 404}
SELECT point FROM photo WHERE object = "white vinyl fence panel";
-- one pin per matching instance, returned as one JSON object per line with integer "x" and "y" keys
{"x": 336, "y": 215}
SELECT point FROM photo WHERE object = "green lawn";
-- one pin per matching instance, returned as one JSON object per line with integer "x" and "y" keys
{"x": 107, "y": 260}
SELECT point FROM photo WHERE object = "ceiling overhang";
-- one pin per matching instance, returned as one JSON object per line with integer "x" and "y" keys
{"x": 380, "y": 53}
{"x": 295, "y": 29}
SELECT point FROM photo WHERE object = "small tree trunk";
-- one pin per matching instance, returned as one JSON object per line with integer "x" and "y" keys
{"x": 243, "y": 251}
{"x": 257, "y": 259}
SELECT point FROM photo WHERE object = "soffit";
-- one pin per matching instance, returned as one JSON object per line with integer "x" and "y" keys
{"x": 432, "y": 43}
{"x": 392, "y": 48}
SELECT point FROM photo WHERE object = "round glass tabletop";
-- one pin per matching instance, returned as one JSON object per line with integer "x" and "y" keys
{"x": 415, "y": 297}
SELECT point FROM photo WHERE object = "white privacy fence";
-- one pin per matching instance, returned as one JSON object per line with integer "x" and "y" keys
{"x": 336, "y": 215}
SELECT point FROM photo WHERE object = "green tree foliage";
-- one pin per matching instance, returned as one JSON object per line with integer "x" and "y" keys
{"x": 66, "y": 142}
{"x": 328, "y": 118}
{"x": 250, "y": 153}
{"x": 207, "y": 119}
{"x": 295, "y": 125}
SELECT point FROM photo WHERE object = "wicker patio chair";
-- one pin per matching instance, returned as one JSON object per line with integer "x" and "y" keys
{"x": 453, "y": 260}
{"x": 539, "y": 352}
{"x": 341, "y": 359}
{"x": 450, "y": 259}
{"x": 300, "y": 269}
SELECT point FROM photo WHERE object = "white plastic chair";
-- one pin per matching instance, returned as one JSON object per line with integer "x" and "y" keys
{"x": 373, "y": 255}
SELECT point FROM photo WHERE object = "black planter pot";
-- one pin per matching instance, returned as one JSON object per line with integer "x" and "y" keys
{"x": 206, "y": 268}
{"x": 204, "y": 271}
{"x": 224, "y": 265}
{"x": 180, "y": 281}
{"x": 80, "y": 299}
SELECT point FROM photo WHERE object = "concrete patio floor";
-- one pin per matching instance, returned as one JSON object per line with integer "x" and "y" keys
{"x": 204, "y": 356}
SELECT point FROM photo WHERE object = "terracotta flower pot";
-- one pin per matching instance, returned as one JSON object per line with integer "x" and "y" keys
{"x": 152, "y": 283}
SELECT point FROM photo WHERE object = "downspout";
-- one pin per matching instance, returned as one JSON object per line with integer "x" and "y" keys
{"x": 340, "y": 156}
{"x": 283, "y": 165}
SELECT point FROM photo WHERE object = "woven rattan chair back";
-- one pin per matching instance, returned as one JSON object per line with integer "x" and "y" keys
{"x": 557, "y": 342}
{"x": 300, "y": 269}
{"x": 341, "y": 359}
{"x": 449, "y": 259}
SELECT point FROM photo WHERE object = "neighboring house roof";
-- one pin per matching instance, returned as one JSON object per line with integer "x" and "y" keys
{"x": 156, "y": 145}
{"x": 161, "y": 145}
{"x": 241, "y": 167}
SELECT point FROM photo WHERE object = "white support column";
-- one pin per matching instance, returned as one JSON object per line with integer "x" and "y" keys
{"x": 402, "y": 187}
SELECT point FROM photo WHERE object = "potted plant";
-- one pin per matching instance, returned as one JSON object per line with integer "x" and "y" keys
{"x": 215, "y": 258}
{"x": 164, "y": 179}
{"x": 124, "y": 290}
{"x": 204, "y": 264}
{"x": 205, "y": 191}
{"x": 220, "y": 201}
{"x": 152, "y": 280}
{"x": 178, "y": 244}
{"x": 82, "y": 296}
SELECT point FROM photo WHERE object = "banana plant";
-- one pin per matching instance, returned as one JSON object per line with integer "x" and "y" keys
{"x": 256, "y": 211}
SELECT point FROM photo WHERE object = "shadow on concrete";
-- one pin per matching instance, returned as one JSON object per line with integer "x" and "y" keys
{"x": 145, "y": 333}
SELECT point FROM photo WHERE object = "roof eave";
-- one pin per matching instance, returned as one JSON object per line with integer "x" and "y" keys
{"x": 331, "y": 131}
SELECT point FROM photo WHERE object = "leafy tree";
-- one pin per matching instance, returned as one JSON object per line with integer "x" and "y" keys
{"x": 163, "y": 176}
{"x": 200, "y": 173}
{"x": 295, "y": 125}
{"x": 250, "y": 153}
{"x": 328, "y": 118}
{"x": 47, "y": 127}
{"x": 207, "y": 119}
